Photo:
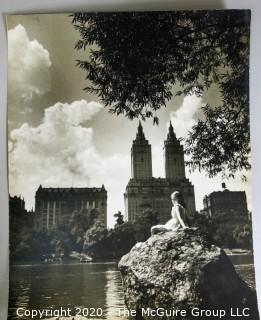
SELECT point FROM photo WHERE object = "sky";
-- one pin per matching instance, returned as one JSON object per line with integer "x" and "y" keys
{"x": 60, "y": 136}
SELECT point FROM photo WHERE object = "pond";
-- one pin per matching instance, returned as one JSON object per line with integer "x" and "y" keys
{"x": 75, "y": 285}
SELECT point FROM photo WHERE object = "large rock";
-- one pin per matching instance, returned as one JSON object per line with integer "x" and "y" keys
{"x": 183, "y": 270}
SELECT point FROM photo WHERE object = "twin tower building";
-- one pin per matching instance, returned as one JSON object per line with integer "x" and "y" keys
{"x": 143, "y": 191}
{"x": 54, "y": 206}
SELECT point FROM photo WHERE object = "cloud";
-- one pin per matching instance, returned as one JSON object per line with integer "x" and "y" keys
{"x": 60, "y": 152}
{"x": 183, "y": 118}
{"x": 28, "y": 67}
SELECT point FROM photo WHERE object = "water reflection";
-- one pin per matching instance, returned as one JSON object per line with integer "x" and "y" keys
{"x": 94, "y": 285}
{"x": 244, "y": 265}
{"x": 247, "y": 274}
{"x": 72, "y": 285}
{"x": 114, "y": 293}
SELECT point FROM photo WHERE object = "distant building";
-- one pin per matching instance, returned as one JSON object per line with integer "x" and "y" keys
{"x": 17, "y": 204}
{"x": 19, "y": 216}
{"x": 54, "y": 206}
{"x": 145, "y": 191}
{"x": 225, "y": 201}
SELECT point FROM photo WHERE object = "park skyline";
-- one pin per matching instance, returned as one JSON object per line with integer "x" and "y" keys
{"x": 96, "y": 147}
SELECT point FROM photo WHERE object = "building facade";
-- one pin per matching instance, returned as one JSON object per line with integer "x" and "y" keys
{"x": 19, "y": 216}
{"x": 17, "y": 204}
{"x": 54, "y": 206}
{"x": 233, "y": 203}
{"x": 144, "y": 191}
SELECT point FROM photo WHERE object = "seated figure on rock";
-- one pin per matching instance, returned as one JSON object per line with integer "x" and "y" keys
{"x": 178, "y": 213}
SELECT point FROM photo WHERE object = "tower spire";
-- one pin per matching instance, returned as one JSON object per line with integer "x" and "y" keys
{"x": 171, "y": 135}
{"x": 141, "y": 165}
{"x": 174, "y": 157}
{"x": 140, "y": 134}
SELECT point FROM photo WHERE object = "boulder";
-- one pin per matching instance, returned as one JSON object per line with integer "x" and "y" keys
{"x": 183, "y": 270}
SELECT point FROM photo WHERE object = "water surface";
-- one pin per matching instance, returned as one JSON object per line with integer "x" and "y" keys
{"x": 93, "y": 285}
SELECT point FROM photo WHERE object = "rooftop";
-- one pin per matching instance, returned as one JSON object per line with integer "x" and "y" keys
{"x": 71, "y": 189}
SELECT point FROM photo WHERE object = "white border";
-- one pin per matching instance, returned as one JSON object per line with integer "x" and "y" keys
{"x": 49, "y": 6}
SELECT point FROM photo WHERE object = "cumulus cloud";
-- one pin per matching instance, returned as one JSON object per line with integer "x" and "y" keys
{"x": 60, "y": 152}
{"x": 183, "y": 118}
{"x": 28, "y": 66}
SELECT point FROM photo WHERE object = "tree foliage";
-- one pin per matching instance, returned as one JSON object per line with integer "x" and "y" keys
{"x": 81, "y": 221}
{"x": 97, "y": 242}
{"x": 226, "y": 229}
{"x": 136, "y": 59}
{"x": 123, "y": 239}
{"x": 119, "y": 218}
{"x": 103, "y": 244}
{"x": 146, "y": 219}
{"x": 244, "y": 235}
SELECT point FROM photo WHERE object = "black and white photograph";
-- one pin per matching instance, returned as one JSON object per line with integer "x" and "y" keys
{"x": 129, "y": 166}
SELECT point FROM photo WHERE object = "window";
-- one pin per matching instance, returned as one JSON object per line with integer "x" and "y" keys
{"x": 44, "y": 204}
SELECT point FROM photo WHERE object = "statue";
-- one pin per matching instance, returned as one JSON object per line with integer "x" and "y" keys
{"x": 178, "y": 213}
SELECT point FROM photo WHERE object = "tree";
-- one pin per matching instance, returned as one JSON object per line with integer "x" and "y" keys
{"x": 225, "y": 229}
{"x": 61, "y": 242}
{"x": 243, "y": 235}
{"x": 123, "y": 239}
{"x": 143, "y": 224}
{"x": 81, "y": 221}
{"x": 136, "y": 59}
{"x": 202, "y": 222}
{"x": 97, "y": 242}
{"x": 119, "y": 218}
